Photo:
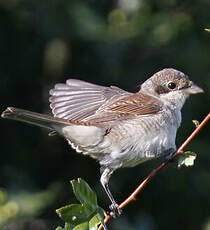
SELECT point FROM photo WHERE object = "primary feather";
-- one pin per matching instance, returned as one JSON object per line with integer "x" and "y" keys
{"x": 79, "y": 100}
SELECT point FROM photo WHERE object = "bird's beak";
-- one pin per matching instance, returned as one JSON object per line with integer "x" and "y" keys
{"x": 193, "y": 89}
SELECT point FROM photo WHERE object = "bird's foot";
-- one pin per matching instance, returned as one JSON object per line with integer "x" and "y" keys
{"x": 115, "y": 211}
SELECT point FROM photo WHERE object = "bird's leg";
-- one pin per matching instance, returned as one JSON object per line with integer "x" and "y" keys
{"x": 105, "y": 175}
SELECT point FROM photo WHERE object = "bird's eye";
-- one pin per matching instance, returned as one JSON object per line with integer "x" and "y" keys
{"x": 171, "y": 85}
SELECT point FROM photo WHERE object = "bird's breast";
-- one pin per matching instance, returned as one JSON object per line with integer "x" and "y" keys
{"x": 134, "y": 141}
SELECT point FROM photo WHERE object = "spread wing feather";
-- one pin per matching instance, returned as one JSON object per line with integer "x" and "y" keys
{"x": 78, "y": 100}
{"x": 82, "y": 101}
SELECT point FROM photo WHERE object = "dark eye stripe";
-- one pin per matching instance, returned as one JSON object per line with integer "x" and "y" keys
{"x": 159, "y": 89}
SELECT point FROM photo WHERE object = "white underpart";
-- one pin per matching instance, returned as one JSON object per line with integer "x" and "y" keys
{"x": 133, "y": 141}
{"x": 83, "y": 136}
{"x": 140, "y": 139}
{"x": 174, "y": 100}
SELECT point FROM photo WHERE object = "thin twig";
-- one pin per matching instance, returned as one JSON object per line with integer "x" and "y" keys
{"x": 161, "y": 166}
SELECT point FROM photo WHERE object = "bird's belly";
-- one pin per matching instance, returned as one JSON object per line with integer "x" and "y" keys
{"x": 147, "y": 148}
{"x": 135, "y": 144}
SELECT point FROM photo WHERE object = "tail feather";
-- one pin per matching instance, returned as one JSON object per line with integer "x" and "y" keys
{"x": 38, "y": 119}
{"x": 79, "y": 134}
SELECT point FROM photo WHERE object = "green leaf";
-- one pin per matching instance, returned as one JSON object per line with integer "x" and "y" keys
{"x": 68, "y": 226}
{"x": 84, "y": 216}
{"x": 77, "y": 221}
{"x": 83, "y": 226}
{"x": 59, "y": 228}
{"x": 74, "y": 213}
{"x": 196, "y": 123}
{"x": 186, "y": 159}
{"x": 96, "y": 220}
{"x": 84, "y": 193}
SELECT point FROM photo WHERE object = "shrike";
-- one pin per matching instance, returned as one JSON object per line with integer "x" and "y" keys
{"x": 117, "y": 128}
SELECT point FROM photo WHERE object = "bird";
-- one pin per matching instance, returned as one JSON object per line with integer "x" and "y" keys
{"x": 116, "y": 127}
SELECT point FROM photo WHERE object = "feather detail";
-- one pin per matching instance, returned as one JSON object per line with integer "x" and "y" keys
{"x": 137, "y": 104}
{"x": 79, "y": 100}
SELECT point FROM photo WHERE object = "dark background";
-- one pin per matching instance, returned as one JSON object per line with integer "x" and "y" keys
{"x": 121, "y": 42}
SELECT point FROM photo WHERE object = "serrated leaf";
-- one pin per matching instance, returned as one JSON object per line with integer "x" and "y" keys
{"x": 186, "y": 159}
{"x": 74, "y": 213}
{"x": 84, "y": 193}
{"x": 84, "y": 216}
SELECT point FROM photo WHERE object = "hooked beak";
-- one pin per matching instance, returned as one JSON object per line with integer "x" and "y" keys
{"x": 193, "y": 89}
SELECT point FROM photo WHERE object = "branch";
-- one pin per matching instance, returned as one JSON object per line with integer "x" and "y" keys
{"x": 161, "y": 166}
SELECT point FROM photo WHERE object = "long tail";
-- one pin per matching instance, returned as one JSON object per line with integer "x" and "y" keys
{"x": 38, "y": 119}
{"x": 79, "y": 132}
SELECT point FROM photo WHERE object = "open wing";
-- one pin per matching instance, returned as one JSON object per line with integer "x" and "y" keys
{"x": 78, "y": 100}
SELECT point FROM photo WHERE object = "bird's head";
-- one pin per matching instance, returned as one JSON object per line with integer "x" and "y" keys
{"x": 171, "y": 86}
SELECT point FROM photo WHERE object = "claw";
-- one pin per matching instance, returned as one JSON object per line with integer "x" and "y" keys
{"x": 115, "y": 210}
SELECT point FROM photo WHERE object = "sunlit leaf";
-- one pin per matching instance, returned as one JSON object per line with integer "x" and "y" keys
{"x": 84, "y": 193}
{"x": 73, "y": 213}
{"x": 196, "y": 123}
{"x": 186, "y": 159}
{"x": 95, "y": 221}
{"x": 59, "y": 228}
{"x": 82, "y": 226}
{"x": 67, "y": 227}
{"x": 84, "y": 216}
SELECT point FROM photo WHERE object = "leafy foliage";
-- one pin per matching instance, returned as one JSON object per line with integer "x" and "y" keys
{"x": 14, "y": 206}
{"x": 84, "y": 216}
{"x": 186, "y": 159}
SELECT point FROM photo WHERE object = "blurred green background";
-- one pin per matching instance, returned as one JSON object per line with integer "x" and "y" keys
{"x": 109, "y": 42}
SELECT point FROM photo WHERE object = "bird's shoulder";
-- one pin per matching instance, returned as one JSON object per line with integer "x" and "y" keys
{"x": 128, "y": 107}
{"x": 137, "y": 104}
